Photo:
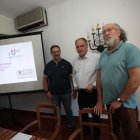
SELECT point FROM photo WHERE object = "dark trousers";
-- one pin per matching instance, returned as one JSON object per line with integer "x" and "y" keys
{"x": 86, "y": 100}
{"x": 127, "y": 118}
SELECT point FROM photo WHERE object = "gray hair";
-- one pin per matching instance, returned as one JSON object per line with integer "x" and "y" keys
{"x": 123, "y": 36}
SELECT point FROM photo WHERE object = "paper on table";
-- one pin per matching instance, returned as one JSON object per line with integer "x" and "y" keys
{"x": 21, "y": 136}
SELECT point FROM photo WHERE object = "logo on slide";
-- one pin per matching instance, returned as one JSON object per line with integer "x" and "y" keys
{"x": 14, "y": 53}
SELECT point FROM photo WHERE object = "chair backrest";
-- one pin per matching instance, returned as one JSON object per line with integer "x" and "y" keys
{"x": 108, "y": 124}
{"x": 55, "y": 116}
{"x": 91, "y": 123}
{"x": 42, "y": 118}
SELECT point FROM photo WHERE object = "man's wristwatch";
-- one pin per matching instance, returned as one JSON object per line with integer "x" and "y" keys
{"x": 119, "y": 100}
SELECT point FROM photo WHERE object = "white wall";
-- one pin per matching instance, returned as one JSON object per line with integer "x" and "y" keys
{"x": 7, "y": 25}
{"x": 73, "y": 19}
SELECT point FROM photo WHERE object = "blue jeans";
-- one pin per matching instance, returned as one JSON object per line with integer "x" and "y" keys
{"x": 66, "y": 101}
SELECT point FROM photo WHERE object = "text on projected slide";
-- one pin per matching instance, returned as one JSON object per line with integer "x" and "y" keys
{"x": 17, "y": 63}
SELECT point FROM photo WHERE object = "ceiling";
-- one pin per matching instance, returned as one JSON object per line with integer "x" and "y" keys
{"x": 13, "y": 8}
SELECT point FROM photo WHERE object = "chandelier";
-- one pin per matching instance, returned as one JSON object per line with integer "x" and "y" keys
{"x": 98, "y": 43}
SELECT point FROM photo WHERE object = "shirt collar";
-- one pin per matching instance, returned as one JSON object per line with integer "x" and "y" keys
{"x": 86, "y": 56}
{"x": 119, "y": 45}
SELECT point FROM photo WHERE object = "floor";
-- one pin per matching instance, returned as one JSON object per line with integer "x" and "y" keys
{"x": 16, "y": 120}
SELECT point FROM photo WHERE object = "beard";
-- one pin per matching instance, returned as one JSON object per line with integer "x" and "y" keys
{"x": 110, "y": 42}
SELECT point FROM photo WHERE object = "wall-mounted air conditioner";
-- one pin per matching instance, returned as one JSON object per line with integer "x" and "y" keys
{"x": 31, "y": 20}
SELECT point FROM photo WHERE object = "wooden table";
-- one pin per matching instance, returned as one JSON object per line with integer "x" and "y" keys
{"x": 6, "y": 134}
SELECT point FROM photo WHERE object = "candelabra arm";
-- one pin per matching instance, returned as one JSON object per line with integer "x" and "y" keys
{"x": 89, "y": 44}
{"x": 97, "y": 43}
{"x": 99, "y": 34}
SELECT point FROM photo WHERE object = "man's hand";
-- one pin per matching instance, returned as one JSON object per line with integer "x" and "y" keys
{"x": 49, "y": 95}
{"x": 74, "y": 92}
{"x": 90, "y": 88}
{"x": 114, "y": 105}
{"x": 98, "y": 108}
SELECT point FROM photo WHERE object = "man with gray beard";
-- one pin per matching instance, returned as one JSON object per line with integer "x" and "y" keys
{"x": 118, "y": 78}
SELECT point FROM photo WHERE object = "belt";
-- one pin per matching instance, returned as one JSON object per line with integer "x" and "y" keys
{"x": 85, "y": 88}
{"x": 82, "y": 89}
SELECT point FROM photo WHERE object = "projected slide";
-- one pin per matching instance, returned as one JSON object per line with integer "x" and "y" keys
{"x": 17, "y": 63}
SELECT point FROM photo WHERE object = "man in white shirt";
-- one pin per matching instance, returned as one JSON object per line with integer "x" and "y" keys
{"x": 85, "y": 68}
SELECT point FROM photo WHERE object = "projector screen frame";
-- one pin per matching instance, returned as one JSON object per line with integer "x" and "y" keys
{"x": 22, "y": 35}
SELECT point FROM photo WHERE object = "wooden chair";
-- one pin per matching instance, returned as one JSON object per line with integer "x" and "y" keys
{"x": 79, "y": 131}
{"x": 49, "y": 135}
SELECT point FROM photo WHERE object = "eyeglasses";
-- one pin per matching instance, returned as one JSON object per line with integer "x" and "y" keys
{"x": 108, "y": 30}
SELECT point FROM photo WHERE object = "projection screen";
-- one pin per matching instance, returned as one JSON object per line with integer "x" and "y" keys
{"x": 21, "y": 63}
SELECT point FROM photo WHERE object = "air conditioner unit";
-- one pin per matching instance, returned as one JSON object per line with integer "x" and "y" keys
{"x": 31, "y": 20}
